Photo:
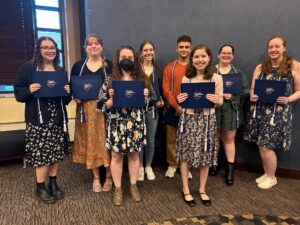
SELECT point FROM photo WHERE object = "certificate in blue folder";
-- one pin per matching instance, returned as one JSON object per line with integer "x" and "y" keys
{"x": 52, "y": 83}
{"x": 196, "y": 94}
{"x": 128, "y": 93}
{"x": 233, "y": 83}
{"x": 157, "y": 92}
{"x": 269, "y": 90}
{"x": 86, "y": 87}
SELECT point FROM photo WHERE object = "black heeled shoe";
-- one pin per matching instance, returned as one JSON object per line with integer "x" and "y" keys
{"x": 190, "y": 203}
{"x": 213, "y": 171}
{"x": 229, "y": 174}
{"x": 205, "y": 202}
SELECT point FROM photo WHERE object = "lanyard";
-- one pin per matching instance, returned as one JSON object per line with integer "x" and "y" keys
{"x": 84, "y": 63}
{"x": 218, "y": 71}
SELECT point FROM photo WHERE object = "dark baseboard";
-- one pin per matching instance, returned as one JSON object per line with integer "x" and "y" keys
{"x": 280, "y": 172}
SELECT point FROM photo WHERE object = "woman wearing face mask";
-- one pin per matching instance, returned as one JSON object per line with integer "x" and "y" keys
{"x": 196, "y": 145}
{"x": 125, "y": 126}
{"x": 230, "y": 114}
{"x": 46, "y": 137}
{"x": 147, "y": 55}
{"x": 269, "y": 125}
{"x": 89, "y": 138}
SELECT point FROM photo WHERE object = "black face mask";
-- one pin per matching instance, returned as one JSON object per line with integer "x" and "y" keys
{"x": 126, "y": 64}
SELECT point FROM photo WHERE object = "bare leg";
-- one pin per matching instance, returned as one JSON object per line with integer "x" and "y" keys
{"x": 184, "y": 170}
{"x": 41, "y": 173}
{"x": 53, "y": 169}
{"x": 116, "y": 166}
{"x": 228, "y": 137}
{"x": 96, "y": 175}
{"x": 203, "y": 180}
{"x": 269, "y": 160}
{"x": 133, "y": 166}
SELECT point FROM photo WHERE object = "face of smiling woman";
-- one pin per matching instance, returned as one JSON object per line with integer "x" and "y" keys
{"x": 148, "y": 52}
{"x": 226, "y": 55}
{"x": 276, "y": 49}
{"x": 93, "y": 47}
{"x": 48, "y": 50}
{"x": 200, "y": 60}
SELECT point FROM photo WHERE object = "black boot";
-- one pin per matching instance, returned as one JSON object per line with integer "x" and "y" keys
{"x": 229, "y": 174}
{"x": 213, "y": 171}
{"x": 43, "y": 194}
{"x": 53, "y": 188}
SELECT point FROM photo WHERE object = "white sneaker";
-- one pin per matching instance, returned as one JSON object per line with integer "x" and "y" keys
{"x": 261, "y": 178}
{"x": 190, "y": 175}
{"x": 141, "y": 174}
{"x": 149, "y": 173}
{"x": 267, "y": 183}
{"x": 170, "y": 172}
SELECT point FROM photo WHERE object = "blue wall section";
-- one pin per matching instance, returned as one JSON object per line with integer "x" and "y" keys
{"x": 247, "y": 25}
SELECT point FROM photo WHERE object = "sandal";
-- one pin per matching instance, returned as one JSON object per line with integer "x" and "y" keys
{"x": 97, "y": 187}
{"x": 107, "y": 186}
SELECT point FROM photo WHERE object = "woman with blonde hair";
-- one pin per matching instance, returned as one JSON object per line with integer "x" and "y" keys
{"x": 89, "y": 139}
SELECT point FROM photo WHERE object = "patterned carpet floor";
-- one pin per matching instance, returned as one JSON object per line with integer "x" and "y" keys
{"x": 162, "y": 202}
{"x": 246, "y": 219}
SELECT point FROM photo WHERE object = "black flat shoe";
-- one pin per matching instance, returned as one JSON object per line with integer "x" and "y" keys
{"x": 54, "y": 189}
{"x": 190, "y": 203}
{"x": 43, "y": 195}
{"x": 206, "y": 202}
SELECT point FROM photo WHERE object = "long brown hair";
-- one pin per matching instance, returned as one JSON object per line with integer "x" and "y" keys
{"x": 141, "y": 49}
{"x": 99, "y": 40}
{"x": 137, "y": 73}
{"x": 209, "y": 70}
{"x": 37, "y": 59}
{"x": 286, "y": 63}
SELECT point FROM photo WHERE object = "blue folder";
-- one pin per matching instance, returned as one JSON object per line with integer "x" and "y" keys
{"x": 128, "y": 93}
{"x": 156, "y": 89}
{"x": 233, "y": 83}
{"x": 52, "y": 83}
{"x": 269, "y": 90}
{"x": 86, "y": 87}
{"x": 196, "y": 94}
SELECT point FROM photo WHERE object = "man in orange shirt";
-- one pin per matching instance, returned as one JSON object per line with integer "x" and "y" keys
{"x": 172, "y": 77}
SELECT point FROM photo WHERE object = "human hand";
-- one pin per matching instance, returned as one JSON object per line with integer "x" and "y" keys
{"x": 34, "y": 87}
{"x": 227, "y": 96}
{"x": 67, "y": 88}
{"x": 182, "y": 97}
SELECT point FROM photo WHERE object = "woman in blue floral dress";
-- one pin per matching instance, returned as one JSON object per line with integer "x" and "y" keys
{"x": 126, "y": 131}
{"x": 269, "y": 125}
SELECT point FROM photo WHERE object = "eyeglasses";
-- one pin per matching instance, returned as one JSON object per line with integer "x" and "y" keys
{"x": 47, "y": 48}
{"x": 226, "y": 53}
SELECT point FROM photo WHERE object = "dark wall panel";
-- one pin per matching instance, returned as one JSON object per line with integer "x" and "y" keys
{"x": 246, "y": 24}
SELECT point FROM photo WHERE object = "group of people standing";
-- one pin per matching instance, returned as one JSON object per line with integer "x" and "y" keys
{"x": 105, "y": 134}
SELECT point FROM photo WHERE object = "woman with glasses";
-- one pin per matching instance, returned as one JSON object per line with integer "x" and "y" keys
{"x": 230, "y": 114}
{"x": 89, "y": 139}
{"x": 46, "y": 136}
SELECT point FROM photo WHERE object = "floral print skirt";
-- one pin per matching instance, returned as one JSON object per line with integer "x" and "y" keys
{"x": 273, "y": 133}
{"x": 46, "y": 144}
{"x": 125, "y": 134}
{"x": 197, "y": 145}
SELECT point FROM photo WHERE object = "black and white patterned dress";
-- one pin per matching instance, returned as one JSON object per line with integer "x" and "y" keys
{"x": 197, "y": 145}
{"x": 46, "y": 143}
